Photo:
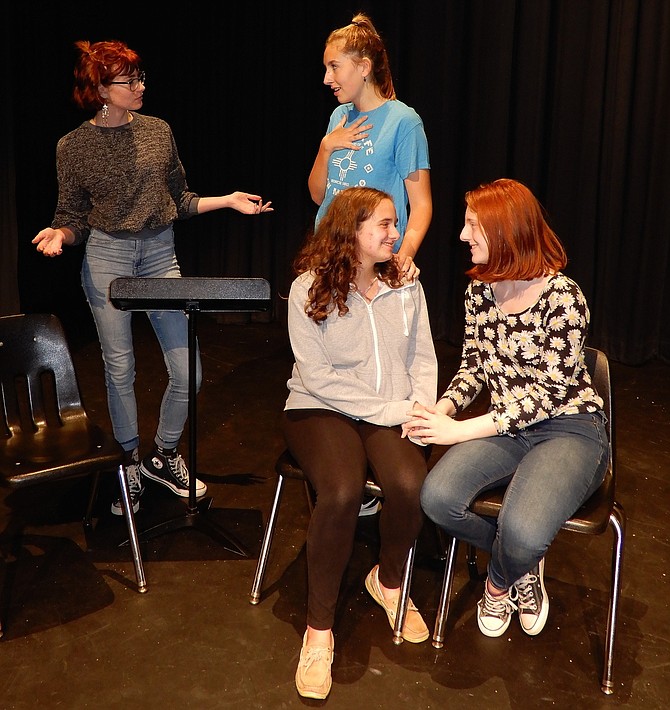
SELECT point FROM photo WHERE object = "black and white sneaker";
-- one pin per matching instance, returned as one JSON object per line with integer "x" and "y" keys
{"x": 532, "y": 601}
{"x": 169, "y": 469}
{"x": 135, "y": 488}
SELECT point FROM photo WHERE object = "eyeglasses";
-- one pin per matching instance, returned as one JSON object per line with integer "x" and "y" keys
{"x": 134, "y": 82}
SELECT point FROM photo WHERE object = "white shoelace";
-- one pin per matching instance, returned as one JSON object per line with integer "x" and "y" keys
{"x": 526, "y": 593}
{"x": 499, "y": 607}
{"x": 178, "y": 468}
{"x": 134, "y": 480}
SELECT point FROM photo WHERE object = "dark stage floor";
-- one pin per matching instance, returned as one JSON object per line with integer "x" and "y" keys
{"x": 78, "y": 635}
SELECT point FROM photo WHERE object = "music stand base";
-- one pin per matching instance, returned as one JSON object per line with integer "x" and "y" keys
{"x": 197, "y": 519}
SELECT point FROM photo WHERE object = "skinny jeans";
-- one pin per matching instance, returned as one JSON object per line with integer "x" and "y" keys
{"x": 334, "y": 452}
{"x": 550, "y": 469}
{"x": 106, "y": 259}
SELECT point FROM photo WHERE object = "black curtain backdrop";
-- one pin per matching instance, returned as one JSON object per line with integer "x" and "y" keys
{"x": 572, "y": 97}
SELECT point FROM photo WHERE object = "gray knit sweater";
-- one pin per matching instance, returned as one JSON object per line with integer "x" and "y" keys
{"x": 121, "y": 180}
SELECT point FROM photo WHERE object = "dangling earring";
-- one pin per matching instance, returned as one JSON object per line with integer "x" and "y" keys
{"x": 105, "y": 114}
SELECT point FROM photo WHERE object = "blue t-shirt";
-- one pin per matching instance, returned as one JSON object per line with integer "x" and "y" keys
{"x": 395, "y": 148}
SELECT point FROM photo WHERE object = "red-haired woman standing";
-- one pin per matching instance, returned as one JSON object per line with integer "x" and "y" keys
{"x": 121, "y": 186}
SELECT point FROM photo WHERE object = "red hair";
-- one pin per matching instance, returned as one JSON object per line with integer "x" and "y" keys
{"x": 521, "y": 244}
{"x": 331, "y": 252}
{"x": 100, "y": 63}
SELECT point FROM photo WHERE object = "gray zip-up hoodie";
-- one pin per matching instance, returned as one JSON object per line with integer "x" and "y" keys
{"x": 372, "y": 363}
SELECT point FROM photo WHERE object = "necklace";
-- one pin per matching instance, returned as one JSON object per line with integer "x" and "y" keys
{"x": 367, "y": 290}
{"x": 372, "y": 283}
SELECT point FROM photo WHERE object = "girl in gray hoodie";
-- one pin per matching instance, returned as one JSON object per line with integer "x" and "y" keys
{"x": 364, "y": 355}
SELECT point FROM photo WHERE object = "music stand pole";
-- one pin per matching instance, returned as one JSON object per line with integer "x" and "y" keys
{"x": 192, "y": 315}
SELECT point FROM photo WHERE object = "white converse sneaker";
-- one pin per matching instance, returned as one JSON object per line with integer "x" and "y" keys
{"x": 533, "y": 602}
{"x": 371, "y": 505}
{"x": 494, "y": 613}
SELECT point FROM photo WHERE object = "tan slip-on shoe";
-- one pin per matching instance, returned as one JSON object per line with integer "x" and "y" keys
{"x": 414, "y": 629}
{"x": 313, "y": 678}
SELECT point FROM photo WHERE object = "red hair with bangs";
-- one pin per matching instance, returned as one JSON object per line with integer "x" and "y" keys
{"x": 521, "y": 244}
{"x": 100, "y": 63}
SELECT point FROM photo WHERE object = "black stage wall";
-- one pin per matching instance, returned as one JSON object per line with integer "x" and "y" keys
{"x": 571, "y": 97}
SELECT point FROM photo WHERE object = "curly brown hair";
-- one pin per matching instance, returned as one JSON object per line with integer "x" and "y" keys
{"x": 330, "y": 253}
{"x": 100, "y": 63}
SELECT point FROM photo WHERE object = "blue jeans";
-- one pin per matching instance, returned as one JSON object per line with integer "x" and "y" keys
{"x": 550, "y": 469}
{"x": 106, "y": 259}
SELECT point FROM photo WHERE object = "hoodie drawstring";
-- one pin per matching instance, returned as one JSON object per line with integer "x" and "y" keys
{"x": 403, "y": 298}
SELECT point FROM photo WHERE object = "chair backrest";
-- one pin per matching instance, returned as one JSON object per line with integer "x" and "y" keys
{"x": 599, "y": 369}
{"x": 38, "y": 384}
{"x": 45, "y": 432}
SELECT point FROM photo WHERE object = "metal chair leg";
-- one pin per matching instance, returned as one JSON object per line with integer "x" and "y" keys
{"x": 618, "y": 524}
{"x": 255, "y": 595}
{"x": 443, "y": 606}
{"x": 132, "y": 531}
{"x": 403, "y": 599}
{"x": 92, "y": 496}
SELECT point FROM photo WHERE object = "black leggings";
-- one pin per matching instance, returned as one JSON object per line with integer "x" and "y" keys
{"x": 334, "y": 451}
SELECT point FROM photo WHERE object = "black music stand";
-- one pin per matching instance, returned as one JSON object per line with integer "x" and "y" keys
{"x": 192, "y": 295}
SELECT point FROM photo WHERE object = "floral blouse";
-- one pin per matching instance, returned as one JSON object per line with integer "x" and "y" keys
{"x": 531, "y": 362}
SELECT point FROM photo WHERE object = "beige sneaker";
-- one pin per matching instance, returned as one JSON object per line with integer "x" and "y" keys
{"x": 313, "y": 678}
{"x": 414, "y": 629}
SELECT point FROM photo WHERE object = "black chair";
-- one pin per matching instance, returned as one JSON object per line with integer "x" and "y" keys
{"x": 593, "y": 518}
{"x": 45, "y": 432}
{"x": 286, "y": 467}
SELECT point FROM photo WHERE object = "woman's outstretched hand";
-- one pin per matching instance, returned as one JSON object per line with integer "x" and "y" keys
{"x": 247, "y": 203}
{"x": 50, "y": 241}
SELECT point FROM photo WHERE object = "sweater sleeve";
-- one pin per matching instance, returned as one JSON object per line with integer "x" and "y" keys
{"x": 469, "y": 380}
{"x": 74, "y": 202}
{"x": 185, "y": 200}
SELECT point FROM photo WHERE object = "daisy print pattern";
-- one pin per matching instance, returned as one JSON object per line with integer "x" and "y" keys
{"x": 531, "y": 362}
